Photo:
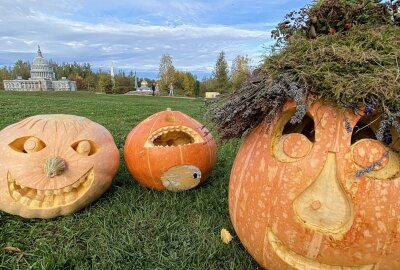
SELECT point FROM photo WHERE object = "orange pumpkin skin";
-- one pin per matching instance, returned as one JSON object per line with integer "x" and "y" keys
{"x": 297, "y": 204}
{"x": 169, "y": 150}
{"x": 30, "y": 189}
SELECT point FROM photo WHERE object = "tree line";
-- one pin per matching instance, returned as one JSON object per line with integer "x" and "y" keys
{"x": 185, "y": 83}
{"x": 223, "y": 79}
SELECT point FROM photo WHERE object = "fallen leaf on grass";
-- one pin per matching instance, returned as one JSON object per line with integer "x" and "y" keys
{"x": 226, "y": 236}
{"x": 20, "y": 253}
{"x": 11, "y": 249}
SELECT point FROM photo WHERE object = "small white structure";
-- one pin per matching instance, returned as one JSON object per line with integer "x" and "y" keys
{"x": 212, "y": 94}
{"x": 144, "y": 87}
{"x": 42, "y": 79}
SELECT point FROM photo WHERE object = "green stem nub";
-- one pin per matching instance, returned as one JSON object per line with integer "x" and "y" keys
{"x": 54, "y": 166}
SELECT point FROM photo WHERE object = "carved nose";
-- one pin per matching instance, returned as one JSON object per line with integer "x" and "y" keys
{"x": 324, "y": 206}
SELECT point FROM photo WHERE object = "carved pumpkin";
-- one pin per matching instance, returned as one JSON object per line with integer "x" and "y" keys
{"x": 53, "y": 165}
{"x": 296, "y": 201}
{"x": 169, "y": 150}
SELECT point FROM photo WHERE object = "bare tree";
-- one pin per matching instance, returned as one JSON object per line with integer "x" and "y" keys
{"x": 166, "y": 72}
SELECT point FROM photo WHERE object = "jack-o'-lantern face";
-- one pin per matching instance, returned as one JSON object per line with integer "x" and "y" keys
{"x": 318, "y": 196}
{"x": 169, "y": 150}
{"x": 54, "y": 165}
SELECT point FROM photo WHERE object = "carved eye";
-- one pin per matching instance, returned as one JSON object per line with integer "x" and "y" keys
{"x": 27, "y": 145}
{"x": 85, "y": 147}
{"x": 292, "y": 142}
{"x": 374, "y": 159}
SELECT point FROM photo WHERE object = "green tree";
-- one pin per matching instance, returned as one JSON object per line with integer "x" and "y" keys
{"x": 196, "y": 89}
{"x": 188, "y": 83}
{"x": 240, "y": 71}
{"x": 221, "y": 74}
{"x": 22, "y": 69}
{"x": 92, "y": 81}
{"x": 5, "y": 74}
{"x": 80, "y": 82}
{"x": 207, "y": 85}
{"x": 166, "y": 72}
{"x": 123, "y": 83}
{"x": 105, "y": 83}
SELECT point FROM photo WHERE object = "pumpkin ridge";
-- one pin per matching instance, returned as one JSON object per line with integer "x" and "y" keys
{"x": 243, "y": 170}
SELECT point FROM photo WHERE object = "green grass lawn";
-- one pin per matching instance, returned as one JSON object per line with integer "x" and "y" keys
{"x": 130, "y": 226}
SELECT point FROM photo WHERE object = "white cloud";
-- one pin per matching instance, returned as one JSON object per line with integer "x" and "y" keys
{"x": 132, "y": 45}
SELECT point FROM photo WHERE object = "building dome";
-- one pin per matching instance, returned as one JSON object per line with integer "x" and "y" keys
{"x": 143, "y": 83}
{"x": 39, "y": 61}
{"x": 40, "y": 67}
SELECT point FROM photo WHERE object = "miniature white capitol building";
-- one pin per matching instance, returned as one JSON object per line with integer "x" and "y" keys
{"x": 42, "y": 79}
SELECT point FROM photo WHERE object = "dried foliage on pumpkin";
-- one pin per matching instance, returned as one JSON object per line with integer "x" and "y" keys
{"x": 357, "y": 66}
{"x": 258, "y": 100}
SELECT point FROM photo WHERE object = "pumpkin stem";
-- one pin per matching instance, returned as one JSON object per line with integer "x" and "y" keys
{"x": 54, "y": 166}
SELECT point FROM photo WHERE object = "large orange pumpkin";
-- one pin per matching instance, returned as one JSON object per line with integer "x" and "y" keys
{"x": 53, "y": 165}
{"x": 304, "y": 196}
{"x": 169, "y": 150}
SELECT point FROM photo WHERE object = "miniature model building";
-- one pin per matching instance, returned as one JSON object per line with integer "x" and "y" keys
{"x": 42, "y": 79}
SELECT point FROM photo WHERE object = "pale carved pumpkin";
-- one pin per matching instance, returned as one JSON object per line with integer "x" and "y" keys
{"x": 53, "y": 165}
{"x": 169, "y": 150}
{"x": 297, "y": 199}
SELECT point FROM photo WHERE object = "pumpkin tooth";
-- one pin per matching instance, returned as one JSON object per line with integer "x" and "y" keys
{"x": 67, "y": 189}
{"x": 48, "y": 192}
{"x": 70, "y": 196}
{"x": 58, "y": 191}
{"x": 39, "y": 197}
{"x": 11, "y": 187}
{"x": 40, "y": 192}
{"x": 36, "y": 203}
{"x": 77, "y": 184}
{"x": 84, "y": 179}
{"x": 31, "y": 193}
{"x": 46, "y": 204}
{"x": 25, "y": 200}
{"x": 16, "y": 195}
{"x": 85, "y": 183}
{"x": 47, "y": 201}
{"x": 58, "y": 200}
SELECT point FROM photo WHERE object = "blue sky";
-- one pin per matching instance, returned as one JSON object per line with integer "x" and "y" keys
{"x": 134, "y": 34}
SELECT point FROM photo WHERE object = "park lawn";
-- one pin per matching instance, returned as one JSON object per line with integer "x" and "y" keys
{"x": 130, "y": 226}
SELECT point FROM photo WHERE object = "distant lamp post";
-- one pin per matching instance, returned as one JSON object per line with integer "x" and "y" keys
{"x": 136, "y": 83}
{"x": 112, "y": 74}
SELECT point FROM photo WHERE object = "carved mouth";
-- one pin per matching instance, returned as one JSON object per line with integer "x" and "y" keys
{"x": 36, "y": 198}
{"x": 173, "y": 136}
{"x": 299, "y": 262}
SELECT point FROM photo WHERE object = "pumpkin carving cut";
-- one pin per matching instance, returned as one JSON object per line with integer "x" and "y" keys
{"x": 300, "y": 196}
{"x": 169, "y": 150}
{"x": 54, "y": 165}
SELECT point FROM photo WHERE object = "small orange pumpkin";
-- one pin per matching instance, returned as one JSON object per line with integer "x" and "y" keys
{"x": 169, "y": 150}
{"x": 298, "y": 199}
{"x": 54, "y": 165}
